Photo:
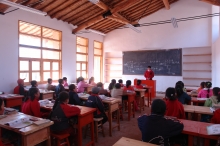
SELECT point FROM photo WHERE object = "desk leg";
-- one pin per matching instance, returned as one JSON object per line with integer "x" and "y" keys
{"x": 118, "y": 119}
{"x": 92, "y": 133}
{"x": 148, "y": 99}
{"x": 110, "y": 121}
{"x": 129, "y": 110}
{"x": 207, "y": 142}
{"x": 48, "y": 140}
{"x": 190, "y": 140}
{"x": 79, "y": 139}
{"x": 24, "y": 140}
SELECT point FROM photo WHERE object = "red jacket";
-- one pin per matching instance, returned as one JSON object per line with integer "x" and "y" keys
{"x": 139, "y": 87}
{"x": 129, "y": 88}
{"x": 175, "y": 109}
{"x": 149, "y": 74}
{"x": 216, "y": 117}
{"x": 31, "y": 108}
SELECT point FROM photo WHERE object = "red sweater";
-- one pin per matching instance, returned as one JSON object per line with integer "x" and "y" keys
{"x": 31, "y": 108}
{"x": 175, "y": 109}
{"x": 149, "y": 74}
{"x": 129, "y": 88}
{"x": 216, "y": 117}
{"x": 139, "y": 87}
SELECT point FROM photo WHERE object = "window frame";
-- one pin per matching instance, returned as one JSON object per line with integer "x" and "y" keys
{"x": 101, "y": 58}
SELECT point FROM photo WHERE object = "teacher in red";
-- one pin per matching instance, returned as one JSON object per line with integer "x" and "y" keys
{"x": 149, "y": 74}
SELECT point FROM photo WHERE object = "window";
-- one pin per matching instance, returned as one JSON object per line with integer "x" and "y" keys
{"x": 82, "y": 57}
{"x": 98, "y": 52}
{"x": 39, "y": 52}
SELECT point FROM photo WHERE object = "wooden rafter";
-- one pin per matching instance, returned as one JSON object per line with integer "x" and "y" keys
{"x": 213, "y": 2}
{"x": 166, "y": 3}
{"x": 4, "y": 7}
{"x": 58, "y": 9}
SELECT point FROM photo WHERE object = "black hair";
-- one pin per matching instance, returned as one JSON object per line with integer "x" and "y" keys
{"x": 64, "y": 78}
{"x": 179, "y": 90}
{"x": 117, "y": 85}
{"x": 1, "y": 102}
{"x": 170, "y": 93}
{"x": 60, "y": 81}
{"x": 99, "y": 84}
{"x": 158, "y": 107}
{"x": 138, "y": 82}
{"x": 33, "y": 83}
{"x": 149, "y": 67}
{"x": 72, "y": 87}
{"x": 120, "y": 81}
{"x": 49, "y": 79}
{"x": 61, "y": 98}
{"x": 180, "y": 83}
{"x": 216, "y": 92}
{"x": 90, "y": 80}
{"x": 95, "y": 90}
{"x": 128, "y": 83}
{"x": 202, "y": 84}
{"x": 208, "y": 85}
{"x": 112, "y": 84}
{"x": 31, "y": 93}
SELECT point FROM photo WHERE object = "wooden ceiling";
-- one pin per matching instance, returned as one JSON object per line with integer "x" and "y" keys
{"x": 86, "y": 15}
{"x": 214, "y": 2}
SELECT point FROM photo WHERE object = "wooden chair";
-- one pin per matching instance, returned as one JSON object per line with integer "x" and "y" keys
{"x": 121, "y": 112}
{"x": 61, "y": 139}
{"x": 141, "y": 103}
{"x": 97, "y": 124}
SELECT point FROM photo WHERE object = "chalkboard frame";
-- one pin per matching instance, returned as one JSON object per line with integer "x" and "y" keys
{"x": 181, "y": 64}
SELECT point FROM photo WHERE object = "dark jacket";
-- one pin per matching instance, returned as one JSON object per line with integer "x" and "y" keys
{"x": 184, "y": 98}
{"x": 74, "y": 98}
{"x": 157, "y": 129}
{"x": 59, "y": 88}
{"x": 95, "y": 101}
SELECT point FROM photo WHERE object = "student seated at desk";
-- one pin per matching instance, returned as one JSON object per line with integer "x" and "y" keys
{"x": 112, "y": 84}
{"x": 182, "y": 96}
{"x": 65, "y": 84}
{"x": 120, "y": 81}
{"x": 139, "y": 86}
{"x": 117, "y": 92}
{"x": 215, "y": 99}
{"x": 128, "y": 86}
{"x": 20, "y": 88}
{"x": 95, "y": 101}
{"x": 157, "y": 129}
{"x": 61, "y": 114}
{"x": 59, "y": 88}
{"x": 206, "y": 92}
{"x": 102, "y": 91}
{"x": 202, "y": 86}
{"x": 34, "y": 84}
{"x": 182, "y": 84}
{"x": 49, "y": 85}
{"x": 216, "y": 117}
{"x": 82, "y": 85}
{"x": 73, "y": 96}
{"x": 174, "y": 107}
{"x": 91, "y": 81}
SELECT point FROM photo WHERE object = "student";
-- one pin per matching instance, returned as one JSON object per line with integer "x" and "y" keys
{"x": 91, "y": 81}
{"x": 82, "y": 85}
{"x": 20, "y": 88}
{"x": 202, "y": 85}
{"x": 34, "y": 84}
{"x": 59, "y": 88}
{"x": 79, "y": 79}
{"x": 157, "y": 129}
{"x": 174, "y": 107}
{"x": 61, "y": 114}
{"x": 206, "y": 92}
{"x": 216, "y": 117}
{"x": 215, "y": 99}
{"x": 182, "y": 96}
{"x": 182, "y": 84}
{"x": 120, "y": 81}
{"x": 112, "y": 84}
{"x": 117, "y": 92}
{"x": 95, "y": 101}
{"x": 102, "y": 91}
{"x": 139, "y": 86}
{"x": 49, "y": 85}
{"x": 73, "y": 96}
{"x": 128, "y": 86}
{"x": 65, "y": 84}
{"x": 149, "y": 74}
{"x": 31, "y": 105}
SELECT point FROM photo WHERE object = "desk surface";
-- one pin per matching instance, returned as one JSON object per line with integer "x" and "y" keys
{"x": 111, "y": 101}
{"x": 9, "y": 96}
{"x": 189, "y": 108}
{"x": 203, "y": 110}
{"x": 131, "y": 142}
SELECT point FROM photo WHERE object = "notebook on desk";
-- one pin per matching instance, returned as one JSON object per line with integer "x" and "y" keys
{"x": 213, "y": 129}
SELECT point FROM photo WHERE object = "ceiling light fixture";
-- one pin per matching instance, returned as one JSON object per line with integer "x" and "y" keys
{"x": 94, "y": 1}
{"x": 133, "y": 28}
{"x": 29, "y": 9}
{"x": 95, "y": 31}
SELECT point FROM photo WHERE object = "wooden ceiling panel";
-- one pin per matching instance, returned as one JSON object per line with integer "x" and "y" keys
{"x": 52, "y": 5}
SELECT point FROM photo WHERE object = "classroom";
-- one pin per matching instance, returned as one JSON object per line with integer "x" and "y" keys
{"x": 73, "y": 41}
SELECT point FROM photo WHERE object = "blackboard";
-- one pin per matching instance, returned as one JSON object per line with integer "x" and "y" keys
{"x": 162, "y": 62}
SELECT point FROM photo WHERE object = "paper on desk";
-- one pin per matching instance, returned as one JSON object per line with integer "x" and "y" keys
{"x": 213, "y": 129}
{"x": 42, "y": 121}
{"x": 44, "y": 102}
{"x": 20, "y": 123}
{"x": 201, "y": 98}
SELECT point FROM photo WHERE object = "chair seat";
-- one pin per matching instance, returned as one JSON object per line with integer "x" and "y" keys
{"x": 97, "y": 119}
{"x": 59, "y": 136}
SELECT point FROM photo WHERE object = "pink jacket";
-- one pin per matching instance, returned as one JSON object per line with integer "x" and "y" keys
{"x": 81, "y": 86}
{"x": 203, "y": 93}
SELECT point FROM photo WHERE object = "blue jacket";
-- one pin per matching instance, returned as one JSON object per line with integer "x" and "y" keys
{"x": 74, "y": 98}
{"x": 59, "y": 88}
{"x": 184, "y": 98}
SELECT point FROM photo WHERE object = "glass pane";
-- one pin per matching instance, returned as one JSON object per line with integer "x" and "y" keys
{"x": 81, "y": 49}
{"x": 51, "y": 54}
{"x": 35, "y": 65}
{"x": 36, "y": 76}
{"x": 55, "y": 66}
{"x": 97, "y": 52}
{"x": 97, "y": 45}
{"x": 46, "y": 65}
{"x": 29, "y": 40}
{"x": 24, "y": 65}
{"x": 51, "y": 44}
{"x": 84, "y": 75}
{"x": 46, "y": 75}
{"x": 97, "y": 68}
{"x": 81, "y": 41}
{"x": 78, "y": 66}
{"x": 83, "y": 66}
{"x": 80, "y": 57}
{"x": 29, "y": 53}
{"x": 55, "y": 75}
{"x": 50, "y": 33}
{"x": 29, "y": 28}
{"x": 78, "y": 74}
{"x": 25, "y": 76}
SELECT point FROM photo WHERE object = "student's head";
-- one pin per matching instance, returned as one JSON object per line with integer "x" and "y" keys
{"x": 149, "y": 68}
{"x": 99, "y": 84}
{"x": 113, "y": 81}
{"x": 170, "y": 93}
{"x": 79, "y": 79}
{"x": 202, "y": 85}
{"x": 91, "y": 80}
{"x": 72, "y": 87}
{"x": 208, "y": 84}
{"x": 34, "y": 93}
{"x": 179, "y": 90}
{"x": 63, "y": 97}
{"x": 65, "y": 79}
{"x": 60, "y": 81}
{"x": 95, "y": 90}
{"x": 49, "y": 80}
{"x": 158, "y": 107}
{"x": 180, "y": 83}
{"x": 20, "y": 82}
{"x": 138, "y": 82}
{"x": 120, "y": 81}
{"x": 216, "y": 92}
{"x": 2, "y": 106}
{"x": 118, "y": 86}
{"x": 128, "y": 83}
{"x": 34, "y": 83}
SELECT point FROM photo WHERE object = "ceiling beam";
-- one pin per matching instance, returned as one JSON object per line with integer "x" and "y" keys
{"x": 213, "y": 2}
{"x": 166, "y": 3}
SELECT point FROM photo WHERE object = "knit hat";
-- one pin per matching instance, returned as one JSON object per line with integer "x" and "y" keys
{"x": 20, "y": 81}
{"x": 95, "y": 90}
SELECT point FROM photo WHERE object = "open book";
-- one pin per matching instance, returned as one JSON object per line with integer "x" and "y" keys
{"x": 103, "y": 97}
{"x": 19, "y": 123}
{"x": 213, "y": 129}
{"x": 9, "y": 111}
{"x": 44, "y": 102}
{"x": 201, "y": 98}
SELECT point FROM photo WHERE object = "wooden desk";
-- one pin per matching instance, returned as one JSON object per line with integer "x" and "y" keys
{"x": 31, "y": 135}
{"x": 12, "y": 100}
{"x": 149, "y": 83}
{"x": 195, "y": 101}
{"x": 189, "y": 108}
{"x": 131, "y": 98}
{"x": 46, "y": 95}
{"x": 141, "y": 98}
{"x": 203, "y": 110}
{"x": 131, "y": 142}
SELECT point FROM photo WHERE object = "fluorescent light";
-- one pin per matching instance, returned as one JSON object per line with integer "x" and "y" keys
{"x": 133, "y": 28}
{"x": 173, "y": 21}
{"x": 95, "y": 31}
{"x": 29, "y": 9}
{"x": 94, "y": 1}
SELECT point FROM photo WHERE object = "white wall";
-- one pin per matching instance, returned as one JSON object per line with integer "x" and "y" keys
{"x": 9, "y": 46}
{"x": 196, "y": 33}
